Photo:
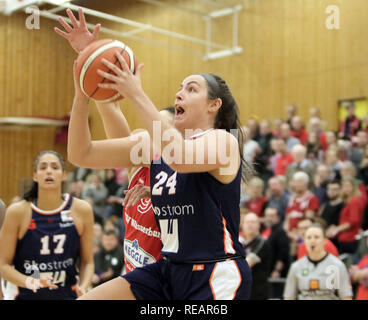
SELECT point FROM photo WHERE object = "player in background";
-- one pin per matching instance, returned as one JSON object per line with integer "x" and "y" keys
{"x": 47, "y": 238}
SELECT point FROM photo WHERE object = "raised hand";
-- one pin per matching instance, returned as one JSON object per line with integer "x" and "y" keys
{"x": 79, "y": 36}
{"x": 123, "y": 80}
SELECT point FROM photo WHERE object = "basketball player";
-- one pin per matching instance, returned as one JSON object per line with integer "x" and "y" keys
{"x": 196, "y": 204}
{"x": 45, "y": 235}
{"x": 142, "y": 241}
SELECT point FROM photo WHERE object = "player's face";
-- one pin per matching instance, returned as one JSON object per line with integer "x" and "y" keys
{"x": 49, "y": 172}
{"x": 191, "y": 103}
{"x": 314, "y": 240}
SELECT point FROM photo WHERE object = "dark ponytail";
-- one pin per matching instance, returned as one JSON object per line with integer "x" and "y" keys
{"x": 32, "y": 193}
{"x": 227, "y": 117}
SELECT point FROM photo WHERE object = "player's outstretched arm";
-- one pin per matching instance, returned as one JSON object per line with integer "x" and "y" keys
{"x": 79, "y": 38}
{"x": 101, "y": 154}
{"x": 78, "y": 35}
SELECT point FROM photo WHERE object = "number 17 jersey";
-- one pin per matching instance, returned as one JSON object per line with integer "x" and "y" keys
{"x": 50, "y": 247}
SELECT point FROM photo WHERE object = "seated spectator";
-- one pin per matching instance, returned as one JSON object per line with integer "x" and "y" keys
{"x": 276, "y": 125}
{"x": 331, "y": 139}
{"x": 298, "y": 130}
{"x": 96, "y": 194}
{"x": 278, "y": 195}
{"x": 111, "y": 182}
{"x": 356, "y": 152}
{"x": 291, "y": 111}
{"x": 350, "y": 125}
{"x": 78, "y": 180}
{"x": 321, "y": 179}
{"x": 350, "y": 218}
{"x": 333, "y": 162}
{"x": 315, "y": 125}
{"x": 300, "y": 163}
{"x": 109, "y": 260}
{"x": 283, "y": 159}
{"x": 302, "y": 203}
{"x": 261, "y": 159}
{"x": 257, "y": 201}
{"x": 287, "y": 137}
{"x": 257, "y": 255}
{"x": 97, "y": 237}
{"x": 303, "y": 226}
{"x": 314, "y": 112}
{"x": 250, "y": 147}
{"x": 306, "y": 281}
{"x": 330, "y": 211}
{"x": 253, "y": 129}
{"x": 314, "y": 151}
{"x": 278, "y": 242}
{"x": 347, "y": 170}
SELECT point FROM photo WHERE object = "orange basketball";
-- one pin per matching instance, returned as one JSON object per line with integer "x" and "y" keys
{"x": 89, "y": 61}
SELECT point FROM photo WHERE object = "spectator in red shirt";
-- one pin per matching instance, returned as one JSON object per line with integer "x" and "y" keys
{"x": 302, "y": 203}
{"x": 257, "y": 202}
{"x": 359, "y": 273}
{"x": 347, "y": 170}
{"x": 284, "y": 157}
{"x": 350, "y": 218}
{"x": 298, "y": 130}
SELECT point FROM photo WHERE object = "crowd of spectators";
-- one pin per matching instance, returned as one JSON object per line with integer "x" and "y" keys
{"x": 305, "y": 175}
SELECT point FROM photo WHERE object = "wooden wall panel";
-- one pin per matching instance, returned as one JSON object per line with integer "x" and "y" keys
{"x": 289, "y": 57}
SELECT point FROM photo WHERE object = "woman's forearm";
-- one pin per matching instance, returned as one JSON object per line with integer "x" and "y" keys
{"x": 86, "y": 274}
{"x": 12, "y": 275}
{"x": 114, "y": 121}
{"x": 79, "y": 136}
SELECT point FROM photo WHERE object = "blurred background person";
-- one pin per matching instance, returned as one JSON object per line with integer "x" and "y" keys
{"x": 109, "y": 260}
{"x": 278, "y": 195}
{"x": 350, "y": 218}
{"x": 310, "y": 279}
{"x": 350, "y": 125}
{"x": 302, "y": 203}
{"x": 257, "y": 255}
{"x": 257, "y": 201}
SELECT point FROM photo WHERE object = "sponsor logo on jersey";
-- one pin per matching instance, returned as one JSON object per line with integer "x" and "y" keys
{"x": 136, "y": 255}
{"x": 31, "y": 266}
{"x": 144, "y": 206}
{"x": 32, "y": 225}
{"x": 174, "y": 210}
{"x": 147, "y": 231}
{"x": 66, "y": 216}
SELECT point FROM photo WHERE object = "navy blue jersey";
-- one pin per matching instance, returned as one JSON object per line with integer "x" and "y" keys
{"x": 50, "y": 247}
{"x": 198, "y": 216}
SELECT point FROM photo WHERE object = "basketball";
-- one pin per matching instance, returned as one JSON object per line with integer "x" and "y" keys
{"x": 89, "y": 61}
